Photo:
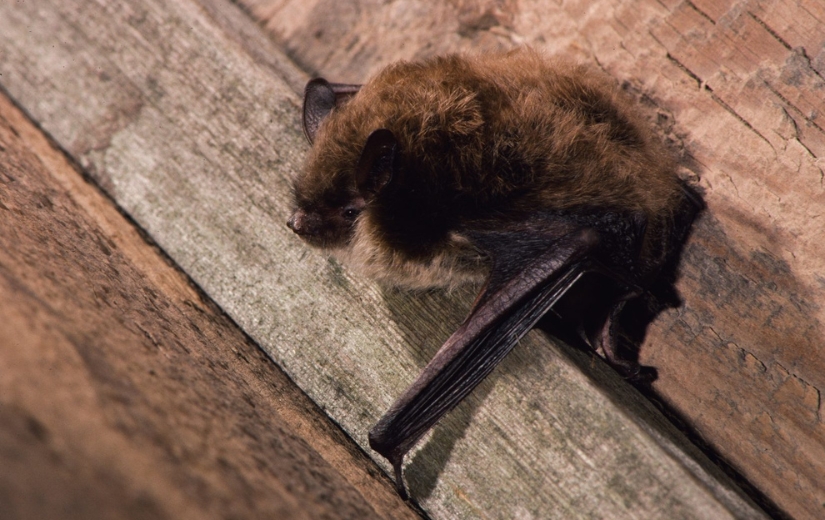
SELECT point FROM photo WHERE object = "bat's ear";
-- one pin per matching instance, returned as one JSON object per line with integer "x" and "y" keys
{"x": 320, "y": 97}
{"x": 378, "y": 163}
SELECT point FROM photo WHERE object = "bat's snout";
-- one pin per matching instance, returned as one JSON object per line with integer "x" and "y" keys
{"x": 304, "y": 224}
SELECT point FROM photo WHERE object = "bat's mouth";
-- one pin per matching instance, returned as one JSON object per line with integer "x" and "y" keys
{"x": 318, "y": 242}
{"x": 312, "y": 230}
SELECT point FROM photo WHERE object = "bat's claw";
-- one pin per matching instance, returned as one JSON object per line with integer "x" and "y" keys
{"x": 630, "y": 370}
{"x": 381, "y": 441}
{"x": 399, "y": 478}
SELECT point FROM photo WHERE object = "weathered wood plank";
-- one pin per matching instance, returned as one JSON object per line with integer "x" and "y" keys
{"x": 124, "y": 393}
{"x": 196, "y": 140}
{"x": 738, "y": 87}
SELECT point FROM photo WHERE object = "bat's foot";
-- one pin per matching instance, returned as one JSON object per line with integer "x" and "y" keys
{"x": 607, "y": 343}
{"x": 629, "y": 370}
{"x": 644, "y": 377}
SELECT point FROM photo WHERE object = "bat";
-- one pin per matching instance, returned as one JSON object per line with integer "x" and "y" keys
{"x": 528, "y": 174}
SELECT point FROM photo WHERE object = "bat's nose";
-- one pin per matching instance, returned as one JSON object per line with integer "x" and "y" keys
{"x": 292, "y": 223}
{"x": 303, "y": 224}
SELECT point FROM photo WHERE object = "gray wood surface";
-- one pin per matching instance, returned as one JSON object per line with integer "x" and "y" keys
{"x": 125, "y": 393}
{"x": 196, "y": 139}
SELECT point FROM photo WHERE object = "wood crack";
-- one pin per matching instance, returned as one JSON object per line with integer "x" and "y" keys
{"x": 741, "y": 119}
{"x": 774, "y": 364}
{"x": 795, "y": 108}
{"x": 685, "y": 69}
{"x": 770, "y": 31}
{"x": 701, "y": 13}
{"x": 796, "y": 133}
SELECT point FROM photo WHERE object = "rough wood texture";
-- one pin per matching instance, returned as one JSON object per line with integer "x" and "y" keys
{"x": 196, "y": 138}
{"x": 123, "y": 394}
{"x": 739, "y": 89}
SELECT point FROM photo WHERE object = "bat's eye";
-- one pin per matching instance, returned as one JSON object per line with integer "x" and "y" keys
{"x": 351, "y": 213}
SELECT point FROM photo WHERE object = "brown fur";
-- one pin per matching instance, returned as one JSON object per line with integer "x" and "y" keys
{"x": 482, "y": 139}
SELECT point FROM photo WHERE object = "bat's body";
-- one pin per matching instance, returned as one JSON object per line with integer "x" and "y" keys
{"x": 509, "y": 168}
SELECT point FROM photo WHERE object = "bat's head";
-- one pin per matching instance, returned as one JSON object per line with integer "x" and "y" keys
{"x": 327, "y": 222}
{"x": 344, "y": 172}
{"x": 372, "y": 192}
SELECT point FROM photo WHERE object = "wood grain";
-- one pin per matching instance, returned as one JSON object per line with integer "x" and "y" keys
{"x": 196, "y": 139}
{"x": 738, "y": 89}
{"x": 124, "y": 393}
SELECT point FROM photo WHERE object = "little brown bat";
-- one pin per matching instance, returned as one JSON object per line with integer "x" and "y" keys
{"x": 524, "y": 172}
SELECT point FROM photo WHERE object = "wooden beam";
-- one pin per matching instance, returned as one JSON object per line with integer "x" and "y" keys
{"x": 125, "y": 392}
{"x": 196, "y": 139}
{"x": 736, "y": 87}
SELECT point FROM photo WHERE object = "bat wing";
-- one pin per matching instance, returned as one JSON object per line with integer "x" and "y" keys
{"x": 523, "y": 285}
